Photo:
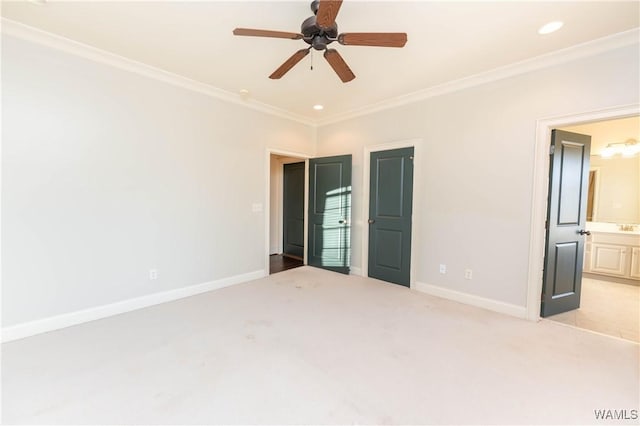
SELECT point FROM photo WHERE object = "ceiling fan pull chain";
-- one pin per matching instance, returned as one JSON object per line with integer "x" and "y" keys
{"x": 311, "y": 60}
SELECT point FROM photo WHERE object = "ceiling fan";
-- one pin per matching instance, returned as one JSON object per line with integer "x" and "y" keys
{"x": 321, "y": 30}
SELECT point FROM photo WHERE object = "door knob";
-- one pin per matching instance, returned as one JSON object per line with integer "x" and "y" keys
{"x": 583, "y": 232}
{"x": 371, "y": 221}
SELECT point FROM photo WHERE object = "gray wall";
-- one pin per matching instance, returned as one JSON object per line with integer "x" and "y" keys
{"x": 476, "y": 163}
{"x": 107, "y": 174}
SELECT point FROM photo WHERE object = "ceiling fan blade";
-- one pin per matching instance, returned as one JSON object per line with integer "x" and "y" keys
{"x": 266, "y": 33}
{"x": 339, "y": 65}
{"x": 289, "y": 63}
{"x": 373, "y": 39}
{"x": 327, "y": 12}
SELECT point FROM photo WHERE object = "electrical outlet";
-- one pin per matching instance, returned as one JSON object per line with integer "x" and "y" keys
{"x": 443, "y": 268}
{"x": 153, "y": 274}
{"x": 468, "y": 274}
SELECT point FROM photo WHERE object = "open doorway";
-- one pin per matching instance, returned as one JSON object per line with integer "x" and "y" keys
{"x": 326, "y": 223}
{"x": 287, "y": 212}
{"x": 610, "y": 277}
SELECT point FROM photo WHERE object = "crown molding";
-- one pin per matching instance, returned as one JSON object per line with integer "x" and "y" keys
{"x": 557, "y": 57}
{"x": 35, "y": 35}
{"x": 594, "y": 47}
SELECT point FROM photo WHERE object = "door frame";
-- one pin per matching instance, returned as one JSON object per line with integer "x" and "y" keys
{"x": 267, "y": 200}
{"x": 540, "y": 195}
{"x": 417, "y": 188}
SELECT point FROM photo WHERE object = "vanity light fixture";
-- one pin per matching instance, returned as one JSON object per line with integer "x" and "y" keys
{"x": 627, "y": 149}
{"x": 550, "y": 27}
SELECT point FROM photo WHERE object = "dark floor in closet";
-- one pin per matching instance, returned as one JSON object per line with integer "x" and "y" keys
{"x": 279, "y": 263}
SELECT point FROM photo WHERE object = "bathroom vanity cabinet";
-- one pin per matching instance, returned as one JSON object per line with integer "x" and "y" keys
{"x": 613, "y": 253}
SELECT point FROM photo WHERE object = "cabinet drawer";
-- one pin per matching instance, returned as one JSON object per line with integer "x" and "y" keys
{"x": 619, "y": 239}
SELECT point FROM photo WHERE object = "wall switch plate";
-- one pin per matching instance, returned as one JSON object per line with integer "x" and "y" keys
{"x": 153, "y": 274}
{"x": 468, "y": 274}
{"x": 443, "y": 268}
{"x": 256, "y": 207}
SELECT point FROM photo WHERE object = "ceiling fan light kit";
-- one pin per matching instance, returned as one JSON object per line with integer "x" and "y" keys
{"x": 319, "y": 31}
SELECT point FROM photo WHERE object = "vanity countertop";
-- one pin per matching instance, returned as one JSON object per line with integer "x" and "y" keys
{"x": 610, "y": 228}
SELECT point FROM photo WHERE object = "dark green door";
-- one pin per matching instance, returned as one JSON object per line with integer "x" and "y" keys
{"x": 330, "y": 213}
{"x": 390, "y": 206}
{"x": 566, "y": 218}
{"x": 293, "y": 210}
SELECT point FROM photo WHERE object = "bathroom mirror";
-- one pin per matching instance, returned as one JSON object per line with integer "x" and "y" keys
{"x": 614, "y": 181}
{"x": 614, "y": 190}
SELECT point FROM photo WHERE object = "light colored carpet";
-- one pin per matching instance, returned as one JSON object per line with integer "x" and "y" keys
{"x": 606, "y": 307}
{"x": 311, "y": 346}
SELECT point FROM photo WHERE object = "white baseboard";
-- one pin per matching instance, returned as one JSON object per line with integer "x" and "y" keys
{"x": 353, "y": 270}
{"x": 470, "y": 299}
{"x": 31, "y": 328}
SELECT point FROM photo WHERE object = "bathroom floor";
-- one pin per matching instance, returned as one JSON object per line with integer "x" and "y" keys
{"x": 606, "y": 307}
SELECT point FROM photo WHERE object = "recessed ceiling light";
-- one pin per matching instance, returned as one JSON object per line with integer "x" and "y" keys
{"x": 550, "y": 27}
{"x": 244, "y": 94}
{"x": 318, "y": 107}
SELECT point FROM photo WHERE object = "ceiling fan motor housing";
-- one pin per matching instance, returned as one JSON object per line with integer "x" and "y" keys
{"x": 318, "y": 37}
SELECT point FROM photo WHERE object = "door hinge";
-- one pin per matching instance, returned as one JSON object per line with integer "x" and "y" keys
{"x": 552, "y": 149}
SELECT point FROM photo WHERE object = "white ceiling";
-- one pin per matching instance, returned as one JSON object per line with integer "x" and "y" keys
{"x": 446, "y": 41}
